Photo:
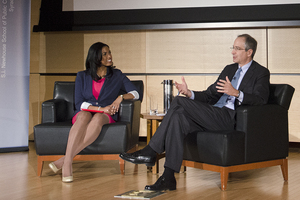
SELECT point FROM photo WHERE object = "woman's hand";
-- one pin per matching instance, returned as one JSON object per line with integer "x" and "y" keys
{"x": 109, "y": 110}
{"x": 116, "y": 105}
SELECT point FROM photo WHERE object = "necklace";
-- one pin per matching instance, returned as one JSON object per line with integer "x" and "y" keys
{"x": 101, "y": 72}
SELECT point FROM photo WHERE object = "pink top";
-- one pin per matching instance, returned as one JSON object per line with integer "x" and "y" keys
{"x": 97, "y": 85}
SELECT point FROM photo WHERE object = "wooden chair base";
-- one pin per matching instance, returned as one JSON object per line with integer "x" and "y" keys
{"x": 224, "y": 171}
{"x": 42, "y": 159}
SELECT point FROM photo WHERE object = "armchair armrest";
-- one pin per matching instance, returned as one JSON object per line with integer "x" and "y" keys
{"x": 127, "y": 110}
{"x": 54, "y": 110}
{"x": 130, "y": 112}
{"x": 266, "y": 131}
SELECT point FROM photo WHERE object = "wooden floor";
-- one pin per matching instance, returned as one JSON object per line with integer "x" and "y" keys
{"x": 102, "y": 180}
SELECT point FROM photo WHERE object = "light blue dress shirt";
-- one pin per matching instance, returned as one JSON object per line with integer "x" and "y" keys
{"x": 230, "y": 101}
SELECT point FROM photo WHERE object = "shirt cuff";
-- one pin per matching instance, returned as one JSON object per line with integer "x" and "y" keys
{"x": 85, "y": 105}
{"x": 135, "y": 94}
{"x": 241, "y": 97}
{"x": 193, "y": 95}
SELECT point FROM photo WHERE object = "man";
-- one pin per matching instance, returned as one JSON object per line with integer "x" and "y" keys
{"x": 244, "y": 82}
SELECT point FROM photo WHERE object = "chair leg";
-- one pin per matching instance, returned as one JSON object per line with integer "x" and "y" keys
{"x": 122, "y": 162}
{"x": 41, "y": 159}
{"x": 133, "y": 149}
{"x": 284, "y": 169}
{"x": 182, "y": 169}
{"x": 224, "y": 171}
{"x": 40, "y": 163}
{"x": 224, "y": 177}
{"x": 122, "y": 166}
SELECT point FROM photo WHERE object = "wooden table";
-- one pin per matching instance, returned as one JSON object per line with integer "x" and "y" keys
{"x": 152, "y": 124}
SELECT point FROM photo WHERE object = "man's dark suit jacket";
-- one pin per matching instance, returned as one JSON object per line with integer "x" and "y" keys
{"x": 255, "y": 85}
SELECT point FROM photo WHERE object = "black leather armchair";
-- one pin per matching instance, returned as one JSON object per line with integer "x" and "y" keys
{"x": 51, "y": 135}
{"x": 260, "y": 139}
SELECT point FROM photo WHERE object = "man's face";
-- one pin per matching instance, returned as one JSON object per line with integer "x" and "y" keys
{"x": 240, "y": 55}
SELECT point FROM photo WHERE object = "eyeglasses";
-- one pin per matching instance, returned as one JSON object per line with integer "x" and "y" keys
{"x": 236, "y": 48}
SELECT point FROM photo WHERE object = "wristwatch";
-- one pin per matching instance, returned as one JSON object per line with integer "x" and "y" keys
{"x": 238, "y": 94}
{"x": 122, "y": 97}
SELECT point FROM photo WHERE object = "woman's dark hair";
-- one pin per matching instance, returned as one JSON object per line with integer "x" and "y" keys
{"x": 93, "y": 60}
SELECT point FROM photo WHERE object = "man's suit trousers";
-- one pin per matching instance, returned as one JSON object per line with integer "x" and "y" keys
{"x": 184, "y": 117}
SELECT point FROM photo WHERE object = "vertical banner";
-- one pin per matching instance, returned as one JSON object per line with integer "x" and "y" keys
{"x": 14, "y": 74}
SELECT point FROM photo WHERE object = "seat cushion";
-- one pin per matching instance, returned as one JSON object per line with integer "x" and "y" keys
{"x": 52, "y": 138}
{"x": 190, "y": 147}
{"x": 224, "y": 148}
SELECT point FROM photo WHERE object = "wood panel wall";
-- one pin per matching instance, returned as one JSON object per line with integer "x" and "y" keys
{"x": 156, "y": 55}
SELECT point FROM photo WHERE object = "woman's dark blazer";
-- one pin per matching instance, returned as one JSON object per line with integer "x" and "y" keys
{"x": 114, "y": 84}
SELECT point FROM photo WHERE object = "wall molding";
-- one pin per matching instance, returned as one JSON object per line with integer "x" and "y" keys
{"x": 52, "y": 18}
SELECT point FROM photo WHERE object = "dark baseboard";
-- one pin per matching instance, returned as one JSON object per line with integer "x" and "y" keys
{"x": 143, "y": 139}
{"x": 291, "y": 144}
{"x": 13, "y": 149}
{"x": 294, "y": 144}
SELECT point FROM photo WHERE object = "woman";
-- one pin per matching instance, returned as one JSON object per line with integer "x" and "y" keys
{"x": 97, "y": 89}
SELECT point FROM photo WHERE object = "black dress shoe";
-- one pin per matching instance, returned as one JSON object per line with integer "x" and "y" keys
{"x": 162, "y": 184}
{"x": 138, "y": 158}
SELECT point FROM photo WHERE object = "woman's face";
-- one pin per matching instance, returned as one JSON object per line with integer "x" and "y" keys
{"x": 106, "y": 57}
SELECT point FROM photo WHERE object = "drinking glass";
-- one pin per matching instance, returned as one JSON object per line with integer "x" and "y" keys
{"x": 153, "y": 106}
